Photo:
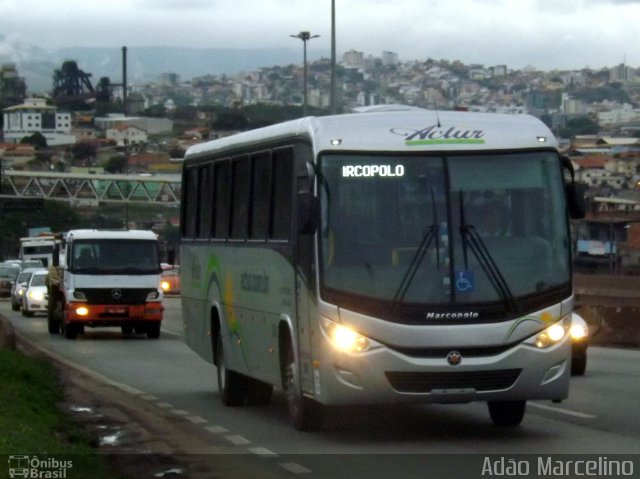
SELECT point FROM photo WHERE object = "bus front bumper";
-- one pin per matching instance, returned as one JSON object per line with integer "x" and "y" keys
{"x": 384, "y": 375}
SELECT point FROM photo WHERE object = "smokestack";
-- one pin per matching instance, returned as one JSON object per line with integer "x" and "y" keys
{"x": 124, "y": 80}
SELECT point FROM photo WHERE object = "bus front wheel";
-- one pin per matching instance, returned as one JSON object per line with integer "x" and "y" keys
{"x": 231, "y": 385}
{"x": 507, "y": 413}
{"x": 305, "y": 413}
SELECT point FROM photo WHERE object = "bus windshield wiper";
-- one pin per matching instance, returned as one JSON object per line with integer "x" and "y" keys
{"x": 472, "y": 240}
{"x": 423, "y": 247}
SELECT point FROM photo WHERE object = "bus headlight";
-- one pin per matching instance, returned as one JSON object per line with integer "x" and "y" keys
{"x": 79, "y": 295}
{"x": 345, "y": 339}
{"x": 551, "y": 335}
{"x": 82, "y": 311}
{"x": 165, "y": 285}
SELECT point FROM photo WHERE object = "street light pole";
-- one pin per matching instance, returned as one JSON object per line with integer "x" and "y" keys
{"x": 333, "y": 57}
{"x": 305, "y": 37}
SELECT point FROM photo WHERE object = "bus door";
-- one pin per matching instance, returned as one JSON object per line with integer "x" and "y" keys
{"x": 305, "y": 284}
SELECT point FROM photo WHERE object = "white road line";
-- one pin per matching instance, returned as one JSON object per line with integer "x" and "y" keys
{"x": 294, "y": 468}
{"x": 237, "y": 440}
{"x": 560, "y": 410}
{"x": 262, "y": 451}
{"x": 216, "y": 429}
{"x": 179, "y": 412}
{"x": 197, "y": 419}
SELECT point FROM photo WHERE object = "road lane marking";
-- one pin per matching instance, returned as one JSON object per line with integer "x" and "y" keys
{"x": 179, "y": 412}
{"x": 216, "y": 429}
{"x": 197, "y": 419}
{"x": 262, "y": 451}
{"x": 237, "y": 440}
{"x": 294, "y": 468}
{"x": 560, "y": 410}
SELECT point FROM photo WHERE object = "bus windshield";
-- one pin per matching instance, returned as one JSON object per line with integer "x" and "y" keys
{"x": 406, "y": 232}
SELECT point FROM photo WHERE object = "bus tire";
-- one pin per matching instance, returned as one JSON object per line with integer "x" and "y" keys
{"x": 231, "y": 385}
{"x": 305, "y": 414}
{"x": 507, "y": 413}
{"x": 127, "y": 329}
{"x": 258, "y": 393}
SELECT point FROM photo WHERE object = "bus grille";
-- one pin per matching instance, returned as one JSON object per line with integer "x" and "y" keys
{"x": 409, "y": 382}
{"x": 121, "y": 296}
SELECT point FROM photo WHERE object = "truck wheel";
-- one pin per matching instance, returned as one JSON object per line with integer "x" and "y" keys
{"x": 231, "y": 385}
{"x": 127, "y": 329}
{"x": 304, "y": 413}
{"x": 69, "y": 330}
{"x": 15, "y": 306}
{"x": 507, "y": 413}
{"x": 578, "y": 366}
{"x": 153, "y": 330}
{"x": 53, "y": 325}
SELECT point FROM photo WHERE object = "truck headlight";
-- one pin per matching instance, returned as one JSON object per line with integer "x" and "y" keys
{"x": 79, "y": 295}
{"x": 152, "y": 296}
{"x": 551, "y": 335}
{"x": 346, "y": 339}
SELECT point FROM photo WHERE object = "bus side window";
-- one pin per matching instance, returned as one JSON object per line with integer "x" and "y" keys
{"x": 282, "y": 193}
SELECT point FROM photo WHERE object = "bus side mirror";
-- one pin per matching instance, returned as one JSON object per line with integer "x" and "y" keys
{"x": 574, "y": 192}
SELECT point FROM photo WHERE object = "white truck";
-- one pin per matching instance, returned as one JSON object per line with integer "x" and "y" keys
{"x": 39, "y": 248}
{"x": 107, "y": 278}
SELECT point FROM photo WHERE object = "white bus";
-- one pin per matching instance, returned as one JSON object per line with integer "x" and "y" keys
{"x": 381, "y": 257}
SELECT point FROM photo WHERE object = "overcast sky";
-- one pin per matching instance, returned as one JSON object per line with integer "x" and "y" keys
{"x": 546, "y": 34}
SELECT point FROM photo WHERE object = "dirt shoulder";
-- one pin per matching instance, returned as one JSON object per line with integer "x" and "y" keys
{"x": 141, "y": 439}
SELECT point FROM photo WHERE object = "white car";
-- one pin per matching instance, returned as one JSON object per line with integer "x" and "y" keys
{"x": 579, "y": 344}
{"x": 35, "y": 296}
{"x": 19, "y": 288}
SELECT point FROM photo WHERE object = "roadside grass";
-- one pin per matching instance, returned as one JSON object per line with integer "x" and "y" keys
{"x": 31, "y": 423}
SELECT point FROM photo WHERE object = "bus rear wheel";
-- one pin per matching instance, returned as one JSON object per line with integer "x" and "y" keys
{"x": 507, "y": 413}
{"x": 232, "y": 386}
{"x": 304, "y": 413}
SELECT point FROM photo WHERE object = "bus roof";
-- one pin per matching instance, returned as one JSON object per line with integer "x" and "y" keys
{"x": 397, "y": 130}
{"x": 112, "y": 234}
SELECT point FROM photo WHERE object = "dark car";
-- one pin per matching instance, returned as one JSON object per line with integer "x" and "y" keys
{"x": 8, "y": 274}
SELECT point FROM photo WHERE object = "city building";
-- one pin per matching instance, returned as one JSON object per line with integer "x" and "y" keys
{"x": 35, "y": 116}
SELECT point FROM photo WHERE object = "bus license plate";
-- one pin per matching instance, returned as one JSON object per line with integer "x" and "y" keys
{"x": 116, "y": 310}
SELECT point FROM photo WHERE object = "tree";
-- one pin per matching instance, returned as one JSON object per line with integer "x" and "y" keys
{"x": 37, "y": 140}
{"x": 115, "y": 164}
{"x": 83, "y": 150}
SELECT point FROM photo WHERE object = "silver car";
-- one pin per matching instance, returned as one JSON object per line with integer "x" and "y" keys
{"x": 19, "y": 287}
{"x": 35, "y": 296}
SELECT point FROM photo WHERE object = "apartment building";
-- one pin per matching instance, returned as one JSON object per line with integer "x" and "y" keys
{"x": 35, "y": 116}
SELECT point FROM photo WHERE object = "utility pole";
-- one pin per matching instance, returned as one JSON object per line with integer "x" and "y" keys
{"x": 305, "y": 37}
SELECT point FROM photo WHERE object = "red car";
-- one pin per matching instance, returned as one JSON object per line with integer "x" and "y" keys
{"x": 170, "y": 281}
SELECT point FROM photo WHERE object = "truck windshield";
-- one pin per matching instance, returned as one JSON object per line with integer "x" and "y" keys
{"x": 404, "y": 235}
{"x": 114, "y": 256}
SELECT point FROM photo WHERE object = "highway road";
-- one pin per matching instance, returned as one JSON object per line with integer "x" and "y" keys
{"x": 600, "y": 417}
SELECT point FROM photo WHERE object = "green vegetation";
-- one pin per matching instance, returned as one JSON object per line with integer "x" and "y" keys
{"x": 31, "y": 422}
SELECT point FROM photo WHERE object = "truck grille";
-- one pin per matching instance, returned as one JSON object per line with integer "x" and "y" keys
{"x": 412, "y": 382}
{"x": 111, "y": 295}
